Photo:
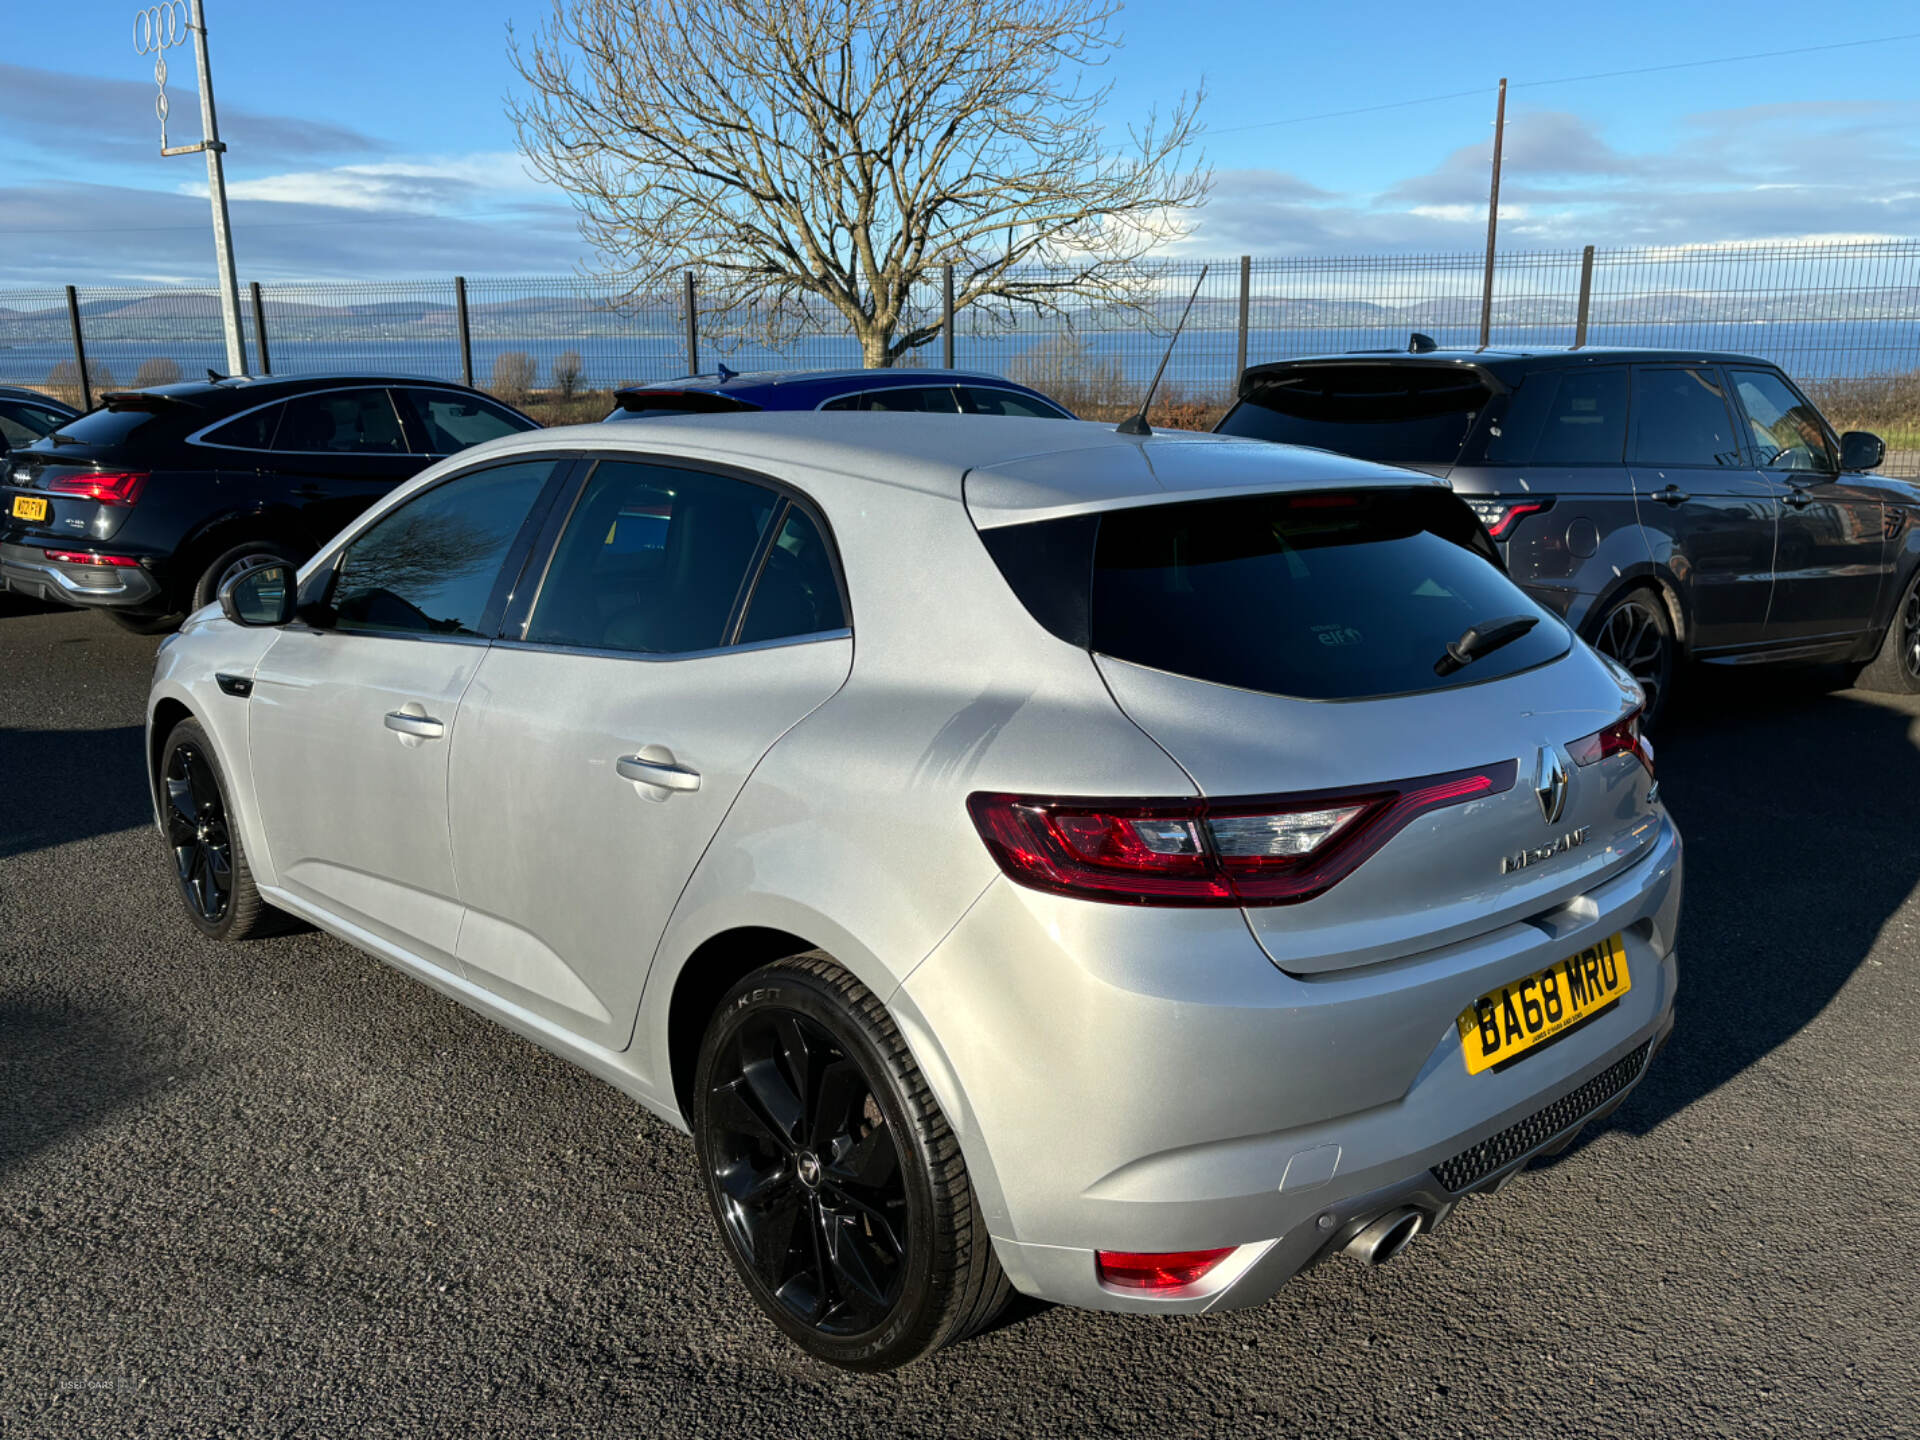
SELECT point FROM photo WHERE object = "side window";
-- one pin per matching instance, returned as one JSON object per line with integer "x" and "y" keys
{"x": 1680, "y": 418}
{"x": 984, "y": 400}
{"x": 341, "y": 421}
{"x": 1784, "y": 427}
{"x": 1563, "y": 417}
{"x": 429, "y": 567}
{"x": 253, "y": 431}
{"x": 23, "y": 424}
{"x": 916, "y": 399}
{"x": 450, "y": 421}
{"x": 797, "y": 592}
{"x": 652, "y": 560}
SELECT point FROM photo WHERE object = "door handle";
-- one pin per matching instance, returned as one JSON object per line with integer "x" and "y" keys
{"x": 420, "y": 727}
{"x": 1672, "y": 495}
{"x": 1798, "y": 499}
{"x": 662, "y": 773}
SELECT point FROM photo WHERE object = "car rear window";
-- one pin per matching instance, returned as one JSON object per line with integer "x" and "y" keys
{"x": 103, "y": 428}
{"x": 1331, "y": 595}
{"x": 1400, "y": 414}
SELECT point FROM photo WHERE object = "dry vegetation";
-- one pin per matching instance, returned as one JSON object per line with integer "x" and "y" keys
{"x": 1888, "y": 405}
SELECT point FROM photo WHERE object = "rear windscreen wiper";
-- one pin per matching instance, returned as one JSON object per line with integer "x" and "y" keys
{"x": 1483, "y": 639}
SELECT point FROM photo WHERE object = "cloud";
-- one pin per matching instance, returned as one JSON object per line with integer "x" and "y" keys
{"x": 72, "y": 233}
{"x": 92, "y": 117}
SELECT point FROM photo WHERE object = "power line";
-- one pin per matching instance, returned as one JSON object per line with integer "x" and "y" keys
{"x": 1569, "y": 80}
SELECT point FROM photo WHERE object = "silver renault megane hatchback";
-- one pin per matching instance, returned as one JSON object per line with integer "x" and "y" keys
{"x": 1122, "y": 869}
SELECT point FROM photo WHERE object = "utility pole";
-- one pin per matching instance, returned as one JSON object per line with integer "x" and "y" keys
{"x": 1493, "y": 216}
{"x": 156, "y": 30}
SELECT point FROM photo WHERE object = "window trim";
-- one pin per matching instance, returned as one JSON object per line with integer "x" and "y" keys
{"x": 198, "y": 436}
{"x": 1734, "y": 418}
{"x": 512, "y": 628}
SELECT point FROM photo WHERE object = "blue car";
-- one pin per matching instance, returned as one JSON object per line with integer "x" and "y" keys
{"x": 934, "y": 392}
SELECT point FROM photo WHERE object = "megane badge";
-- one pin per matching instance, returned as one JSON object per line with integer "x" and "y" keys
{"x": 1550, "y": 783}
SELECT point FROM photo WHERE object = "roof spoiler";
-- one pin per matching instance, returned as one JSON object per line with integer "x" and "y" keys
{"x": 691, "y": 402}
{"x": 149, "y": 400}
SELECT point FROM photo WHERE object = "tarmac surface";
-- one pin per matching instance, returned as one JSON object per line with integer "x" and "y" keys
{"x": 279, "y": 1189}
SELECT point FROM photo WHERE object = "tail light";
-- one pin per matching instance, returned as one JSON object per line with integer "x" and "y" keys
{"x": 88, "y": 557}
{"x": 1169, "y": 1270}
{"x": 121, "y": 487}
{"x": 1500, "y": 516}
{"x": 1623, "y": 737}
{"x": 1274, "y": 850}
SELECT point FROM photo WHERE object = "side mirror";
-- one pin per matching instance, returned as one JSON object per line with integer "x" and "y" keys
{"x": 264, "y": 595}
{"x": 1861, "y": 450}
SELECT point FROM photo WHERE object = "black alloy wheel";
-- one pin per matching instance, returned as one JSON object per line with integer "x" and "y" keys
{"x": 197, "y": 831}
{"x": 1895, "y": 670}
{"x": 808, "y": 1172}
{"x": 209, "y": 860}
{"x": 841, "y": 1195}
{"x": 1636, "y": 633}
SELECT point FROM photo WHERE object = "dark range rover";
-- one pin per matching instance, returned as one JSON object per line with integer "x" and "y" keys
{"x": 1671, "y": 505}
{"x": 144, "y": 507}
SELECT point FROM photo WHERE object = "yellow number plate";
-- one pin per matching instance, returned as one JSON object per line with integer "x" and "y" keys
{"x": 1512, "y": 1020}
{"x": 29, "y": 507}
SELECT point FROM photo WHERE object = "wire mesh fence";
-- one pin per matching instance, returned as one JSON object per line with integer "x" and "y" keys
{"x": 1843, "y": 317}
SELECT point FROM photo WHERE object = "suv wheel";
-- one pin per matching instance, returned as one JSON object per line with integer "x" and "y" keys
{"x": 1636, "y": 632}
{"x": 839, "y": 1190}
{"x": 237, "y": 561}
{"x": 1896, "y": 669}
{"x": 210, "y": 864}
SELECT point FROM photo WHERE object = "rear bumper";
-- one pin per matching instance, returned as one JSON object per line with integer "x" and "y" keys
{"x": 26, "y": 570}
{"x": 1147, "y": 1080}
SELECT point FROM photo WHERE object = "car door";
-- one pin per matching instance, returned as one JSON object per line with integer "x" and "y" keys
{"x": 1710, "y": 519}
{"x": 353, "y": 705}
{"x": 1832, "y": 558}
{"x": 686, "y": 620}
{"x": 335, "y": 452}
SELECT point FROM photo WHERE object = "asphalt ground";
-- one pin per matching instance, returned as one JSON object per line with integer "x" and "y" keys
{"x": 281, "y": 1190}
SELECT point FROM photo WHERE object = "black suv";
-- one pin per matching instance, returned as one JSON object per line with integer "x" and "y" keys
{"x": 1670, "y": 504}
{"x": 146, "y": 506}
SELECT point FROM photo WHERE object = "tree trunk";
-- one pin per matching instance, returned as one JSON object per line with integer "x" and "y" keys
{"x": 874, "y": 353}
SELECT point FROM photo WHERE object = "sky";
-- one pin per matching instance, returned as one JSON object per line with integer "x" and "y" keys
{"x": 370, "y": 140}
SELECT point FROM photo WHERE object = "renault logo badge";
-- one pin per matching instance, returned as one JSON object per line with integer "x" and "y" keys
{"x": 1550, "y": 783}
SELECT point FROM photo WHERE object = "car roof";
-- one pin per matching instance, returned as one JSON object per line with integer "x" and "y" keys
{"x": 1511, "y": 361}
{"x": 803, "y": 389}
{"x": 1006, "y": 469}
{"x": 265, "y": 387}
{"x": 34, "y": 397}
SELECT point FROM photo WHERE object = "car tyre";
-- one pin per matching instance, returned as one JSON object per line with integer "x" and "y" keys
{"x": 839, "y": 1190}
{"x": 209, "y": 859}
{"x": 1636, "y": 632}
{"x": 237, "y": 561}
{"x": 1895, "y": 670}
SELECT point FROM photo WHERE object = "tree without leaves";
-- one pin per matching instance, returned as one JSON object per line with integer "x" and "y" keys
{"x": 514, "y": 374}
{"x": 567, "y": 370}
{"x": 815, "y": 156}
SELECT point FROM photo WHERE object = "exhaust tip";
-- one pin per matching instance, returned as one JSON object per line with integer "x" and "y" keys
{"x": 1384, "y": 1237}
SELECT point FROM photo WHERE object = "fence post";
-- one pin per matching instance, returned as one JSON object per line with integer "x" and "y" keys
{"x": 466, "y": 336}
{"x": 1246, "y": 304}
{"x": 1586, "y": 298}
{"x": 260, "y": 328}
{"x": 79, "y": 349}
{"x": 693, "y": 330}
{"x": 946, "y": 314}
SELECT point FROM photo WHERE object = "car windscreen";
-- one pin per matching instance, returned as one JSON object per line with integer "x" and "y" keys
{"x": 1399, "y": 414}
{"x": 137, "y": 428}
{"x": 1329, "y": 595}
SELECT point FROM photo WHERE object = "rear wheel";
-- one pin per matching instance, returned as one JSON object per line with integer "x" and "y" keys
{"x": 209, "y": 861}
{"x": 839, "y": 1190}
{"x": 1636, "y": 632}
{"x": 1896, "y": 669}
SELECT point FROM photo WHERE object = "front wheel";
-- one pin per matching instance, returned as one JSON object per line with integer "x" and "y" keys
{"x": 839, "y": 1190}
{"x": 1636, "y": 632}
{"x": 1896, "y": 669}
{"x": 209, "y": 861}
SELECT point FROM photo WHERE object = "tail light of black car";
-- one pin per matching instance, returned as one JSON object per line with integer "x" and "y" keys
{"x": 1501, "y": 516}
{"x": 108, "y": 487}
{"x": 1268, "y": 850}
